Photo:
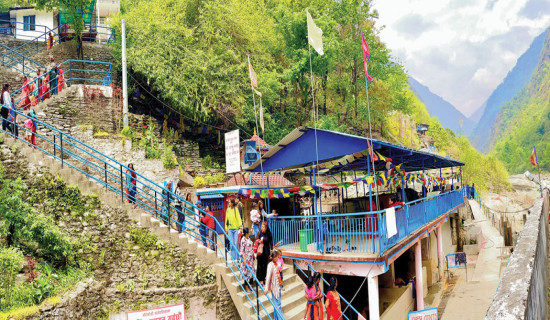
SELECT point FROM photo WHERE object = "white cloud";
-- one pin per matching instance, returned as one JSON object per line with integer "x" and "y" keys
{"x": 461, "y": 49}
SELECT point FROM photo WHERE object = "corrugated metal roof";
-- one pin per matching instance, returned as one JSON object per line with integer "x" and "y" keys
{"x": 414, "y": 160}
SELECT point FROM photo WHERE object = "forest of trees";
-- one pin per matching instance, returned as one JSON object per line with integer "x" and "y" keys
{"x": 193, "y": 55}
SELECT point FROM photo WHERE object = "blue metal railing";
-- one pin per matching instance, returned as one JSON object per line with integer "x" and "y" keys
{"x": 326, "y": 282}
{"x": 150, "y": 196}
{"x": 362, "y": 232}
{"x": 12, "y": 58}
{"x": 101, "y": 75}
{"x": 38, "y": 42}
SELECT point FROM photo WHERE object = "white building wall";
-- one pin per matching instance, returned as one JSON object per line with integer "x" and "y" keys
{"x": 43, "y": 18}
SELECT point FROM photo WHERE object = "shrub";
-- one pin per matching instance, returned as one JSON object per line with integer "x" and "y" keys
{"x": 198, "y": 182}
{"x": 11, "y": 261}
{"x": 168, "y": 160}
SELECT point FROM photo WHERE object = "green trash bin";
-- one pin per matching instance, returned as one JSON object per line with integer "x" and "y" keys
{"x": 302, "y": 234}
{"x": 309, "y": 235}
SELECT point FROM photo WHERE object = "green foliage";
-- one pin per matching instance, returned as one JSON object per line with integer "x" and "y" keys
{"x": 145, "y": 239}
{"x": 11, "y": 262}
{"x": 203, "y": 276}
{"x": 168, "y": 160}
{"x": 43, "y": 288}
{"x": 487, "y": 172}
{"x": 524, "y": 123}
{"x": 199, "y": 182}
{"x": 208, "y": 40}
{"x": 149, "y": 143}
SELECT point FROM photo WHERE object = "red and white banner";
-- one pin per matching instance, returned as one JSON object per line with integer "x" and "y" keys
{"x": 175, "y": 312}
{"x": 426, "y": 314}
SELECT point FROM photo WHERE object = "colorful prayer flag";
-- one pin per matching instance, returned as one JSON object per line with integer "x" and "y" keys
{"x": 366, "y": 56}
{"x": 373, "y": 156}
{"x": 533, "y": 158}
{"x": 252, "y": 73}
{"x": 314, "y": 35}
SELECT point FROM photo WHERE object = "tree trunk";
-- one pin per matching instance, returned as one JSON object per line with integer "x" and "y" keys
{"x": 325, "y": 77}
{"x": 354, "y": 82}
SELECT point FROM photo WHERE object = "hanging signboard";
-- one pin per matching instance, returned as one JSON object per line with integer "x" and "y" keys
{"x": 426, "y": 314}
{"x": 174, "y": 312}
{"x": 232, "y": 154}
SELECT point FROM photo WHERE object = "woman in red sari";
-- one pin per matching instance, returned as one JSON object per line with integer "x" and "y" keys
{"x": 26, "y": 94}
{"x": 332, "y": 303}
{"x": 314, "y": 308}
{"x": 60, "y": 79}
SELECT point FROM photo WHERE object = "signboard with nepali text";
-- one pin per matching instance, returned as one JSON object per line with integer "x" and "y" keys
{"x": 232, "y": 152}
{"x": 426, "y": 314}
{"x": 174, "y": 312}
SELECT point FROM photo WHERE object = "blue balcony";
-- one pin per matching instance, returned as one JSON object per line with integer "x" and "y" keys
{"x": 363, "y": 233}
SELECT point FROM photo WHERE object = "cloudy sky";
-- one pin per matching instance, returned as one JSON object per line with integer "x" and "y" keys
{"x": 461, "y": 49}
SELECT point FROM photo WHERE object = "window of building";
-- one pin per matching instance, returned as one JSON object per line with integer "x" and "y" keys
{"x": 29, "y": 23}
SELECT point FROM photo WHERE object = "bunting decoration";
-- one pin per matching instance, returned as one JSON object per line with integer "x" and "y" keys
{"x": 387, "y": 178}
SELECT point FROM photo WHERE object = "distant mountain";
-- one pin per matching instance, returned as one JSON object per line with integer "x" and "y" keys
{"x": 476, "y": 116}
{"x": 524, "y": 122}
{"x": 485, "y": 134}
{"x": 448, "y": 115}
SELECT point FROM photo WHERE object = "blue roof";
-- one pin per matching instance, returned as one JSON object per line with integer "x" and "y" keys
{"x": 298, "y": 149}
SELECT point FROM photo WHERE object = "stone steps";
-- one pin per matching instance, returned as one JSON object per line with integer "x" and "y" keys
{"x": 293, "y": 300}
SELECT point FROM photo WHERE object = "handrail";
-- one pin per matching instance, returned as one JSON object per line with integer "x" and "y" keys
{"x": 326, "y": 282}
{"x": 145, "y": 199}
{"x": 17, "y": 61}
{"x": 157, "y": 212}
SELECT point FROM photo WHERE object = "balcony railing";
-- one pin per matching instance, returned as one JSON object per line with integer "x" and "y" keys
{"x": 362, "y": 232}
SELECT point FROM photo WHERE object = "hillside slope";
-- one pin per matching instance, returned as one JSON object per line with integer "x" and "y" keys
{"x": 488, "y": 130}
{"x": 448, "y": 115}
{"x": 524, "y": 122}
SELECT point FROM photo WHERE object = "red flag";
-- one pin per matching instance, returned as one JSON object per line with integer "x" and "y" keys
{"x": 372, "y": 155}
{"x": 366, "y": 56}
{"x": 533, "y": 158}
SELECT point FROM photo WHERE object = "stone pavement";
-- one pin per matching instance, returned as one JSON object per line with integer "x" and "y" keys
{"x": 471, "y": 299}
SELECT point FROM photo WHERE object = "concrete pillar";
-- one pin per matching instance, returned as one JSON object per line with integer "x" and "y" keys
{"x": 440, "y": 257}
{"x": 374, "y": 309}
{"x": 419, "y": 280}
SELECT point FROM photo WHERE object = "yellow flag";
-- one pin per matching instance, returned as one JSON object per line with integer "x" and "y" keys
{"x": 314, "y": 35}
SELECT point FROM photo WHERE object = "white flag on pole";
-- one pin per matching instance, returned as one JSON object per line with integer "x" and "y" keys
{"x": 314, "y": 35}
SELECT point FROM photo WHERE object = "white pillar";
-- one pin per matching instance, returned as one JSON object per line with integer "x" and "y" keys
{"x": 419, "y": 281}
{"x": 440, "y": 257}
{"x": 124, "y": 77}
{"x": 374, "y": 309}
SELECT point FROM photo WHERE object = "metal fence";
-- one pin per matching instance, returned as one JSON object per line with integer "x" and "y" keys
{"x": 361, "y": 232}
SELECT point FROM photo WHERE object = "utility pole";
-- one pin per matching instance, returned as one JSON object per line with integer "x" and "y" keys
{"x": 124, "y": 78}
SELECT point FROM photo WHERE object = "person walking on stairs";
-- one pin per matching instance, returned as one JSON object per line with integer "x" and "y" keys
{"x": 5, "y": 101}
{"x": 247, "y": 264}
{"x": 233, "y": 224}
{"x": 208, "y": 220}
{"x": 167, "y": 199}
{"x": 179, "y": 207}
{"x": 273, "y": 284}
{"x": 314, "y": 296}
{"x": 266, "y": 240}
{"x": 131, "y": 184}
{"x": 332, "y": 303}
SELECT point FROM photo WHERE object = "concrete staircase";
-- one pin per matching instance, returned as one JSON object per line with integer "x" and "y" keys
{"x": 293, "y": 299}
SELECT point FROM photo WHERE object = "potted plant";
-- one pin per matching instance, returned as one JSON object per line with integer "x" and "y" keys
{"x": 220, "y": 179}
{"x": 199, "y": 182}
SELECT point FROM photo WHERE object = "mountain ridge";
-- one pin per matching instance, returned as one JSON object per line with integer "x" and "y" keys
{"x": 447, "y": 114}
{"x": 486, "y": 133}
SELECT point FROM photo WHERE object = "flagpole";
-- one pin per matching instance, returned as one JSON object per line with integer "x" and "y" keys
{"x": 255, "y": 117}
{"x": 370, "y": 133}
{"x": 319, "y": 221}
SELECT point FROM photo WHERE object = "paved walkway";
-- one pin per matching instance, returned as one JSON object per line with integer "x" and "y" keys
{"x": 471, "y": 299}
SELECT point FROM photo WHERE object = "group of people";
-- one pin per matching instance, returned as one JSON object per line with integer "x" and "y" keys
{"x": 9, "y": 117}
{"x": 42, "y": 87}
